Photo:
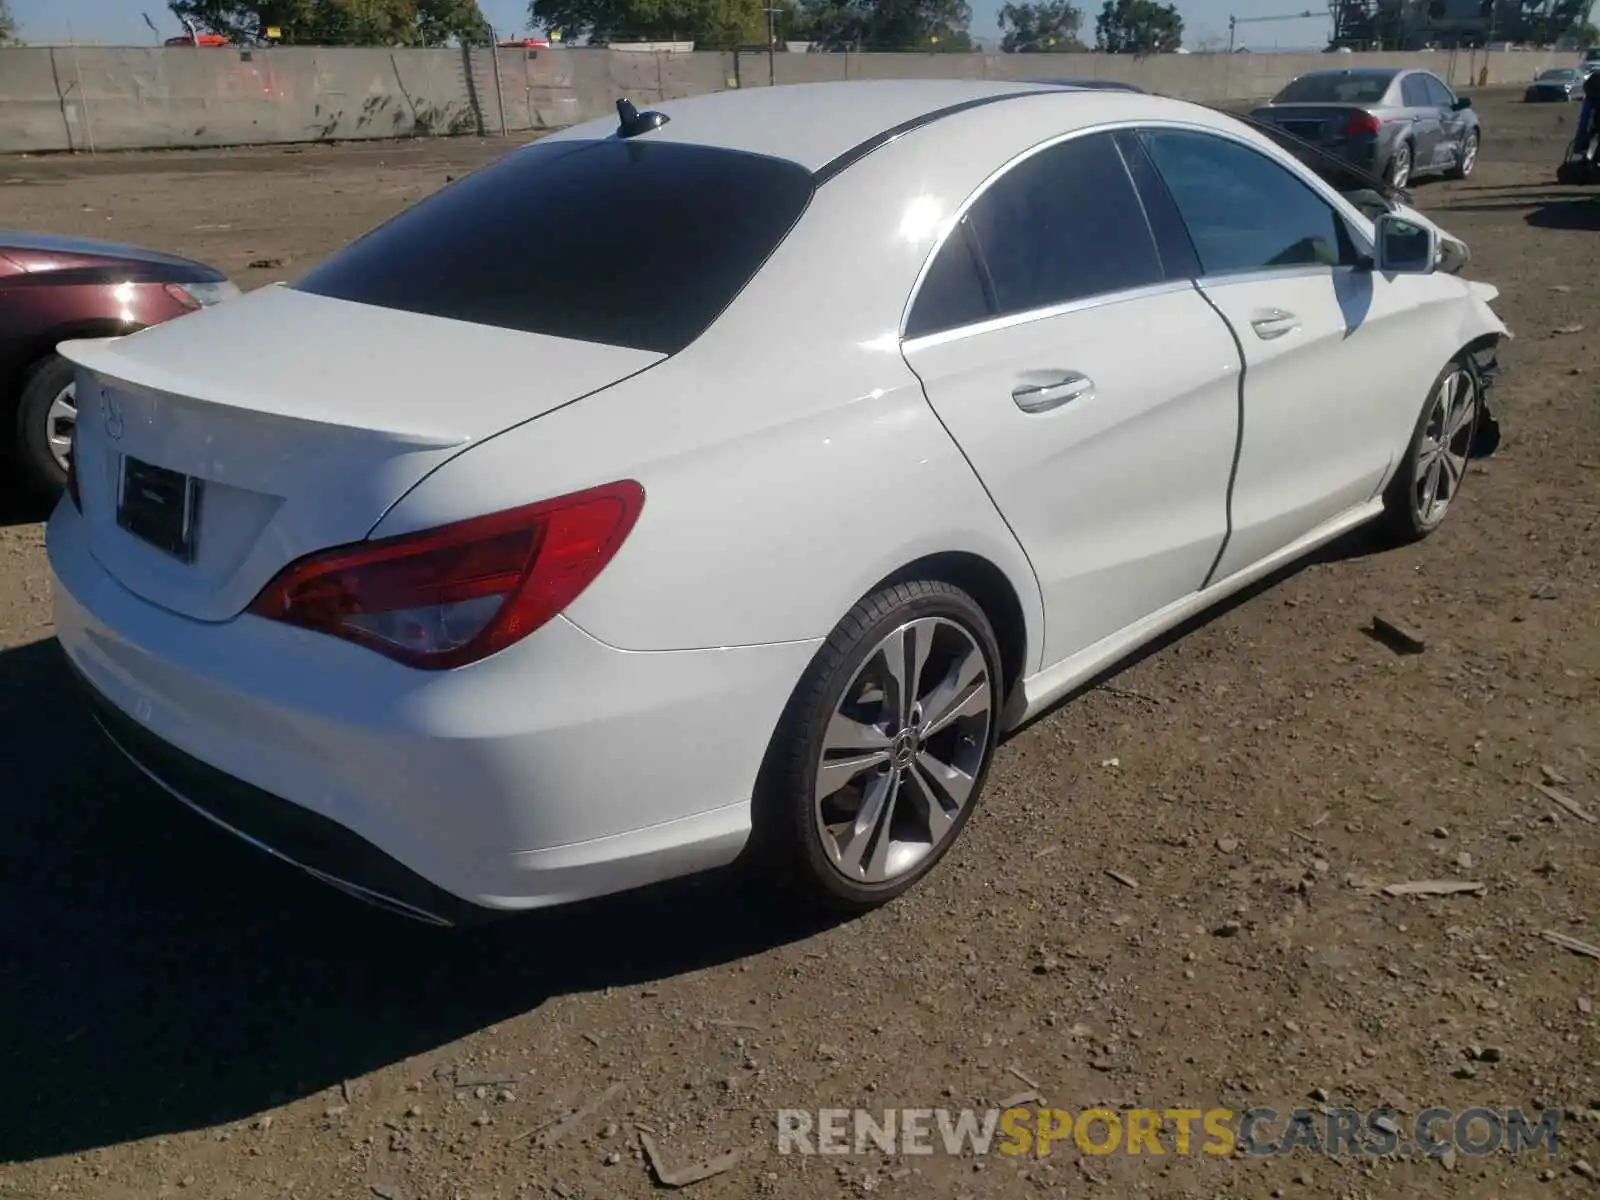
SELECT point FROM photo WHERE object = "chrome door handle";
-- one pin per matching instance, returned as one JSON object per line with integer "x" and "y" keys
{"x": 1042, "y": 397}
{"x": 1274, "y": 324}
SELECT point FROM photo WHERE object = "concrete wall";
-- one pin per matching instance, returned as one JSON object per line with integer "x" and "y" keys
{"x": 80, "y": 98}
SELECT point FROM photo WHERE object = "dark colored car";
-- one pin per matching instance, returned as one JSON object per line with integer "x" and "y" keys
{"x": 1400, "y": 124}
{"x": 54, "y": 289}
{"x": 1104, "y": 85}
{"x": 1559, "y": 84}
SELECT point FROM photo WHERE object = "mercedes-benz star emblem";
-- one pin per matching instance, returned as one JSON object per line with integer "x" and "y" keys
{"x": 111, "y": 415}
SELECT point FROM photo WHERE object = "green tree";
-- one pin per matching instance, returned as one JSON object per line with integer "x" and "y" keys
{"x": 1138, "y": 27}
{"x": 440, "y": 20}
{"x": 710, "y": 24}
{"x": 1049, "y": 26}
{"x": 8, "y": 23}
{"x": 339, "y": 22}
{"x": 793, "y": 22}
{"x": 929, "y": 25}
{"x": 1585, "y": 33}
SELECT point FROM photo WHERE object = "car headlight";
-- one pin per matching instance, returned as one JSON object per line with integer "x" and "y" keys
{"x": 202, "y": 295}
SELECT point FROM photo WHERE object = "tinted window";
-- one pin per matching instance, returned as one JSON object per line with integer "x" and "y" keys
{"x": 1244, "y": 211}
{"x": 1338, "y": 173}
{"x": 1437, "y": 92}
{"x": 1172, "y": 238}
{"x": 1337, "y": 87}
{"x": 1414, "y": 92}
{"x": 1063, "y": 224}
{"x": 625, "y": 243}
{"x": 952, "y": 292}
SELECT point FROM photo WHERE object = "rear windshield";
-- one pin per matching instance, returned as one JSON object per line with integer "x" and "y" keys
{"x": 1335, "y": 89}
{"x": 1559, "y": 73}
{"x": 620, "y": 242}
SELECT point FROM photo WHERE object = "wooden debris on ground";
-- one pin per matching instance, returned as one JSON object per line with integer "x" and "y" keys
{"x": 1587, "y": 949}
{"x": 1015, "y": 1071}
{"x": 1402, "y": 639}
{"x": 1562, "y": 800}
{"x": 684, "y": 1176}
{"x": 1029, "y": 1097}
{"x": 1435, "y": 887}
{"x": 553, "y": 1130}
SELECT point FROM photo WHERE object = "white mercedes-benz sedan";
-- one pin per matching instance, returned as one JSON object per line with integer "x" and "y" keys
{"x": 726, "y": 479}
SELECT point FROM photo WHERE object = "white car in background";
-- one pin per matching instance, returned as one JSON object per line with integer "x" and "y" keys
{"x": 730, "y": 478}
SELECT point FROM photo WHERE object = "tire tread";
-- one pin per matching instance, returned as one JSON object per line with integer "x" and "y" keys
{"x": 780, "y": 829}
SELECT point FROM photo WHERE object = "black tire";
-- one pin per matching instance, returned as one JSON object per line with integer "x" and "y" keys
{"x": 1464, "y": 164}
{"x": 1402, "y": 153}
{"x": 40, "y": 474}
{"x": 786, "y": 841}
{"x": 1403, "y": 520}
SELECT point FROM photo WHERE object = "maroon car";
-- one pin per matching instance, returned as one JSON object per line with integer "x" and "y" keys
{"x": 53, "y": 289}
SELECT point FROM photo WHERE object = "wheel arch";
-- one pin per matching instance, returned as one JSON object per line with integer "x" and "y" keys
{"x": 30, "y": 351}
{"x": 995, "y": 593}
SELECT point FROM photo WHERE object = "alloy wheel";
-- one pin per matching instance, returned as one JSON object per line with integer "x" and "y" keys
{"x": 61, "y": 422}
{"x": 903, "y": 750}
{"x": 1443, "y": 449}
{"x": 1400, "y": 167}
{"x": 1469, "y": 154}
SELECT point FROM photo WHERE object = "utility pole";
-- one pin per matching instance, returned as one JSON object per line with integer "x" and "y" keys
{"x": 772, "y": 45}
{"x": 499, "y": 92}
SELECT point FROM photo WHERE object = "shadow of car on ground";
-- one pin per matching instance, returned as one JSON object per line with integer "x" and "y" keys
{"x": 160, "y": 976}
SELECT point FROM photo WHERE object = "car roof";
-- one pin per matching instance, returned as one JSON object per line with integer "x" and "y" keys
{"x": 824, "y": 125}
{"x": 1358, "y": 72}
{"x": 1098, "y": 84}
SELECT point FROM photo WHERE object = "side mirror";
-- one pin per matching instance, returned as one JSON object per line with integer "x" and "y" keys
{"x": 1462, "y": 103}
{"x": 1404, "y": 247}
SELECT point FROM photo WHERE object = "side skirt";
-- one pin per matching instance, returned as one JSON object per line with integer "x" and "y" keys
{"x": 1038, "y": 692}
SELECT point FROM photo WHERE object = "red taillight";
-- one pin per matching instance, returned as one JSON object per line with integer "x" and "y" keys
{"x": 1363, "y": 122}
{"x": 72, "y": 477}
{"x": 453, "y": 595}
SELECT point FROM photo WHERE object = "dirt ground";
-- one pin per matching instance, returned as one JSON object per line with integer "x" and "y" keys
{"x": 182, "y": 1016}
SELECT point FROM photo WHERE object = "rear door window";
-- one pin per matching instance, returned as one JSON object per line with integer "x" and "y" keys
{"x": 1063, "y": 224}
{"x": 954, "y": 292}
{"x": 619, "y": 242}
{"x": 1414, "y": 92}
{"x": 1438, "y": 93}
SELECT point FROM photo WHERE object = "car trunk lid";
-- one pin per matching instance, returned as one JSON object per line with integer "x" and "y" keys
{"x": 301, "y": 420}
{"x": 1322, "y": 123}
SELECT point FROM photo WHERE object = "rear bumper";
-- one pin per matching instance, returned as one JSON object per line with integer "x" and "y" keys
{"x": 322, "y": 848}
{"x": 556, "y": 770}
{"x": 1369, "y": 153}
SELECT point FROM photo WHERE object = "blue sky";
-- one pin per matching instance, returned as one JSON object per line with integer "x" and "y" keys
{"x": 118, "y": 21}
